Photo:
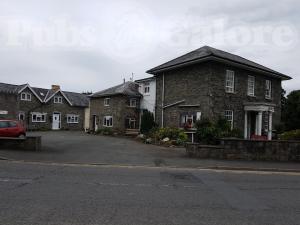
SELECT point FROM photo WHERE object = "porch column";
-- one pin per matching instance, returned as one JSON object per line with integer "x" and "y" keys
{"x": 259, "y": 123}
{"x": 270, "y": 126}
{"x": 246, "y": 125}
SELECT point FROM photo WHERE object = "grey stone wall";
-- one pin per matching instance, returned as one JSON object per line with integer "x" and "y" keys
{"x": 63, "y": 108}
{"x": 13, "y": 104}
{"x": 8, "y": 102}
{"x": 189, "y": 84}
{"x": 221, "y": 101}
{"x": 204, "y": 84}
{"x": 119, "y": 109}
{"x": 239, "y": 149}
{"x": 32, "y": 143}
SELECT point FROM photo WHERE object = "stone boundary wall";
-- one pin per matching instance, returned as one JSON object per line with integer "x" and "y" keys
{"x": 32, "y": 143}
{"x": 241, "y": 149}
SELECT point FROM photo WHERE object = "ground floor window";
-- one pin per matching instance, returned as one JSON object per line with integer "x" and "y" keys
{"x": 229, "y": 117}
{"x": 21, "y": 116}
{"x": 107, "y": 121}
{"x": 71, "y": 118}
{"x": 38, "y": 117}
{"x": 131, "y": 123}
{"x": 187, "y": 120}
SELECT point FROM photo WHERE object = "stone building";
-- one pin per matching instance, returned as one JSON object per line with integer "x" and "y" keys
{"x": 212, "y": 83}
{"x": 117, "y": 108}
{"x": 40, "y": 108}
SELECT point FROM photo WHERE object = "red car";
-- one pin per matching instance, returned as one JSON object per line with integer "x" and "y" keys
{"x": 12, "y": 128}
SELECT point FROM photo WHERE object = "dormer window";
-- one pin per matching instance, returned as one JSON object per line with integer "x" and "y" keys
{"x": 58, "y": 99}
{"x": 25, "y": 96}
{"x": 132, "y": 102}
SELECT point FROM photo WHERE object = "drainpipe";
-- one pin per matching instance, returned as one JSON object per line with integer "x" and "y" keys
{"x": 162, "y": 100}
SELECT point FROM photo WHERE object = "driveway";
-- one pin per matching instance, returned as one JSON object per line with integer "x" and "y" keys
{"x": 79, "y": 147}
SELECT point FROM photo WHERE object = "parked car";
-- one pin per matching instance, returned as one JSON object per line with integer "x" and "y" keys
{"x": 12, "y": 128}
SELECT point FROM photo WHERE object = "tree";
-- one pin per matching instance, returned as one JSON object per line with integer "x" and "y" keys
{"x": 291, "y": 111}
{"x": 147, "y": 122}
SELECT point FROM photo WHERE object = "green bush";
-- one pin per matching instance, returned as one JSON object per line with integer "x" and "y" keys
{"x": 105, "y": 131}
{"x": 175, "y": 134}
{"x": 147, "y": 122}
{"x": 209, "y": 132}
{"x": 290, "y": 135}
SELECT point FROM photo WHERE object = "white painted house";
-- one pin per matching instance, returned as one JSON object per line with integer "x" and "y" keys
{"x": 147, "y": 87}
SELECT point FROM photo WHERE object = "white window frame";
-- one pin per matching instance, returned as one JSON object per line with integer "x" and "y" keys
{"x": 268, "y": 89}
{"x": 72, "y": 118}
{"x": 147, "y": 88}
{"x": 58, "y": 100}
{"x": 108, "y": 121}
{"x": 251, "y": 86}
{"x": 21, "y": 114}
{"x": 131, "y": 102}
{"x": 106, "y": 101}
{"x": 228, "y": 115}
{"x": 38, "y": 115}
{"x": 230, "y": 81}
{"x": 25, "y": 96}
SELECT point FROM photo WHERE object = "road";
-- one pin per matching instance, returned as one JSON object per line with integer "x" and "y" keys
{"x": 65, "y": 194}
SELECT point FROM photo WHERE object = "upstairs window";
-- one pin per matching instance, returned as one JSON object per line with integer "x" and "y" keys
{"x": 268, "y": 93}
{"x": 229, "y": 117}
{"x": 106, "y": 101}
{"x": 107, "y": 121}
{"x": 25, "y": 96}
{"x": 132, "y": 102}
{"x": 71, "y": 118}
{"x": 229, "y": 83}
{"x": 57, "y": 99}
{"x": 251, "y": 85}
{"x": 147, "y": 88}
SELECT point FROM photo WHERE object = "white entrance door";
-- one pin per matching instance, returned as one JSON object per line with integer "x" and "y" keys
{"x": 56, "y": 121}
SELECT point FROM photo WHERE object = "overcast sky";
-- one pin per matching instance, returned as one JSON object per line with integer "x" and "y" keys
{"x": 91, "y": 45}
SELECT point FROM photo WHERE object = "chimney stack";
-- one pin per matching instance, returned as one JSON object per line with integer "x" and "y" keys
{"x": 55, "y": 87}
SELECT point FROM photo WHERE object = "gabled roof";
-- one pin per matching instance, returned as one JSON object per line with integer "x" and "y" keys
{"x": 10, "y": 88}
{"x": 44, "y": 95}
{"x": 128, "y": 88}
{"x": 208, "y": 53}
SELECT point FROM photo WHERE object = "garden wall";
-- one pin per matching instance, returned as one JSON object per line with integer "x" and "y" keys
{"x": 247, "y": 150}
{"x": 29, "y": 143}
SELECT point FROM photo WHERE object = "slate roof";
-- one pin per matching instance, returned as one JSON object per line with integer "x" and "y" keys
{"x": 128, "y": 88}
{"x": 207, "y": 52}
{"x": 76, "y": 99}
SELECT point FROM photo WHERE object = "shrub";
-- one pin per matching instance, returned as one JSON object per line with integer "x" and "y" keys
{"x": 105, "y": 131}
{"x": 290, "y": 135}
{"x": 209, "y": 132}
{"x": 175, "y": 134}
{"x": 147, "y": 122}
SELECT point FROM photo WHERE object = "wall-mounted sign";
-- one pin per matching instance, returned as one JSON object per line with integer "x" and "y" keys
{"x": 2, "y": 112}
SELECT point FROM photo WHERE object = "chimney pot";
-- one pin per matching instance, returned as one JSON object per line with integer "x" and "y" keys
{"x": 55, "y": 87}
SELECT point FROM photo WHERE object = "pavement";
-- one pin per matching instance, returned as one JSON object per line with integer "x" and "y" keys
{"x": 71, "y": 147}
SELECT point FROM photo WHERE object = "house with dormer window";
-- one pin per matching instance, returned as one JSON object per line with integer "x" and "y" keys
{"x": 40, "y": 108}
{"x": 212, "y": 83}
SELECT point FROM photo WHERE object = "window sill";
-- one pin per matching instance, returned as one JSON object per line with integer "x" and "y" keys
{"x": 25, "y": 100}
{"x": 252, "y": 96}
{"x": 72, "y": 122}
{"x": 38, "y": 121}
